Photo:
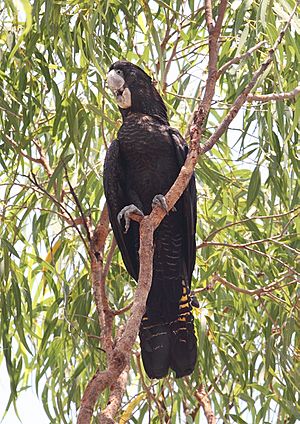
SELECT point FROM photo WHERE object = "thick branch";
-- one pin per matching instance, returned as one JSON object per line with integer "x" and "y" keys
{"x": 204, "y": 107}
{"x": 204, "y": 401}
{"x": 109, "y": 259}
{"x": 220, "y": 18}
{"x": 98, "y": 276}
{"x": 208, "y": 15}
{"x": 98, "y": 383}
{"x": 120, "y": 355}
{"x": 115, "y": 398}
{"x": 143, "y": 288}
{"x": 241, "y": 99}
{"x": 100, "y": 234}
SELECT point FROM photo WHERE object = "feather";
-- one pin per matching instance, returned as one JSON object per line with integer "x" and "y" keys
{"x": 143, "y": 162}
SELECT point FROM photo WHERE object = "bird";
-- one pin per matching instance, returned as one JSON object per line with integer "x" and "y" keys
{"x": 140, "y": 166}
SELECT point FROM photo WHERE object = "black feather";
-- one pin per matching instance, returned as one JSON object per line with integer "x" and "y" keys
{"x": 145, "y": 161}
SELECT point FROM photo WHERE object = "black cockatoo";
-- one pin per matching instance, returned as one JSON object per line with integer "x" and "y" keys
{"x": 140, "y": 167}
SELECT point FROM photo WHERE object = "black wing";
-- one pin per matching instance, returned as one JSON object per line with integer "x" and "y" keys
{"x": 114, "y": 183}
{"x": 114, "y": 188}
{"x": 189, "y": 205}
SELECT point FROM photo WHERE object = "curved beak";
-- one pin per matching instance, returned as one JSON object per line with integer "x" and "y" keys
{"x": 122, "y": 93}
{"x": 115, "y": 81}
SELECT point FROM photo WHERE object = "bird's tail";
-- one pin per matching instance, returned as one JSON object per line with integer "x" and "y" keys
{"x": 170, "y": 345}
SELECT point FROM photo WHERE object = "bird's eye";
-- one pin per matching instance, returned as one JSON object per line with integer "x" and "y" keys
{"x": 118, "y": 71}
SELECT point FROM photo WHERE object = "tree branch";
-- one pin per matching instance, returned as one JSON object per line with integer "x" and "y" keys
{"x": 238, "y": 59}
{"x": 105, "y": 314}
{"x": 208, "y": 15}
{"x": 150, "y": 395}
{"x": 274, "y": 96}
{"x": 115, "y": 398}
{"x": 109, "y": 259}
{"x": 254, "y": 292}
{"x": 241, "y": 99}
{"x": 276, "y": 216}
{"x": 100, "y": 234}
{"x": 258, "y": 252}
{"x": 204, "y": 107}
{"x": 41, "y": 160}
{"x": 64, "y": 210}
{"x": 123, "y": 310}
{"x": 120, "y": 354}
{"x": 273, "y": 239}
{"x": 85, "y": 220}
{"x": 204, "y": 401}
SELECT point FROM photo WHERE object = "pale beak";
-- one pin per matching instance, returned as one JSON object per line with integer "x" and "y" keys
{"x": 115, "y": 81}
{"x": 117, "y": 84}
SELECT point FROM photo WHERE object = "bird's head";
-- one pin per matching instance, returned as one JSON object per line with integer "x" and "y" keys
{"x": 134, "y": 90}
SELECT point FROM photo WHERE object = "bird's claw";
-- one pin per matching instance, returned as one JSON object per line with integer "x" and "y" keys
{"x": 160, "y": 200}
{"x": 126, "y": 212}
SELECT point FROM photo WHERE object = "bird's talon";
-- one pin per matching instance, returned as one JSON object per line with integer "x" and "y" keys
{"x": 160, "y": 200}
{"x": 125, "y": 213}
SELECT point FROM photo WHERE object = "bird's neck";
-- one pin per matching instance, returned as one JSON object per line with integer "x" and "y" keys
{"x": 147, "y": 101}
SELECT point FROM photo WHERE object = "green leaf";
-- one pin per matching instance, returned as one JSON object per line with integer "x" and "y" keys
{"x": 59, "y": 169}
{"x": 28, "y": 11}
{"x": 5, "y": 243}
{"x": 254, "y": 187}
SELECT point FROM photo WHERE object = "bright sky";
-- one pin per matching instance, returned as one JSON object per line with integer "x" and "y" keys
{"x": 30, "y": 408}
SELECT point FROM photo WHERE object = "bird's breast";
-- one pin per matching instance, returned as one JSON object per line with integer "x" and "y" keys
{"x": 148, "y": 157}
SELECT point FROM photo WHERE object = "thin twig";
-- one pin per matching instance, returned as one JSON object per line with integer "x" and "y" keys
{"x": 86, "y": 224}
{"x": 274, "y": 96}
{"x": 123, "y": 310}
{"x": 41, "y": 160}
{"x": 147, "y": 389}
{"x": 250, "y": 243}
{"x": 243, "y": 221}
{"x": 254, "y": 292}
{"x": 168, "y": 65}
{"x": 33, "y": 179}
{"x": 238, "y": 59}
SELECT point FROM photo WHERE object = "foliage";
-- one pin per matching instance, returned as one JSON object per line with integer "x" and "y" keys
{"x": 56, "y": 114}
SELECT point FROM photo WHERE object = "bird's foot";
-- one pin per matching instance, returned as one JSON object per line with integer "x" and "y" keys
{"x": 126, "y": 212}
{"x": 160, "y": 200}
